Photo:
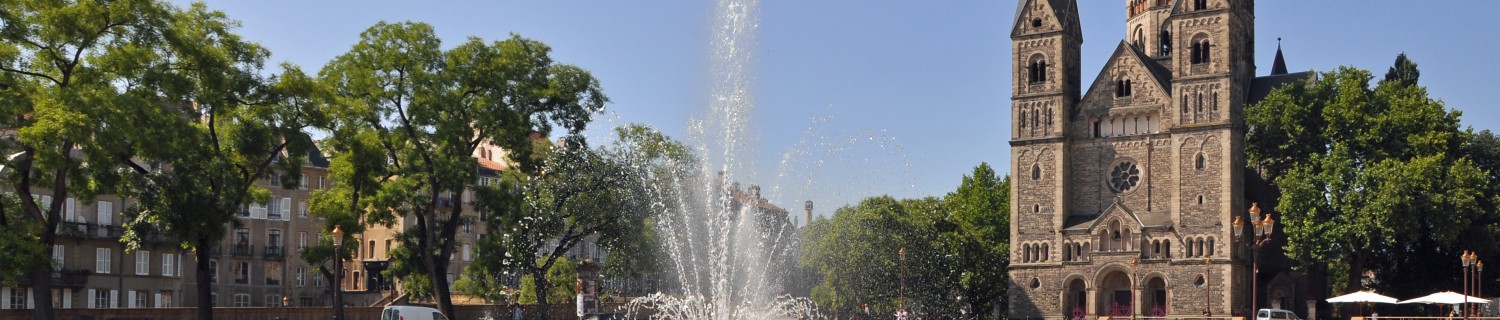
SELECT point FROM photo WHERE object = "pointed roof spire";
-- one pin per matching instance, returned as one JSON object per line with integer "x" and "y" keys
{"x": 1279, "y": 66}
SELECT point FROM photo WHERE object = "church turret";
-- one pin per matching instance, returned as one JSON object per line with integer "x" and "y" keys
{"x": 1046, "y": 41}
{"x": 1279, "y": 66}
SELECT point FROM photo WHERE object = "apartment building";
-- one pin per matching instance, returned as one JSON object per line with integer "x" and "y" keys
{"x": 258, "y": 263}
{"x": 92, "y": 268}
{"x": 364, "y": 276}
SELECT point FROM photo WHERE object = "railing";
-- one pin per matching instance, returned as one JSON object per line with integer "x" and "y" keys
{"x": 275, "y": 253}
{"x": 242, "y": 250}
{"x": 242, "y": 280}
{"x": 273, "y": 282}
{"x": 108, "y": 231}
{"x": 66, "y": 278}
{"x": 216, "y": 251}
{"x": 274, "y": 215}
{"x": 76, "y": 229}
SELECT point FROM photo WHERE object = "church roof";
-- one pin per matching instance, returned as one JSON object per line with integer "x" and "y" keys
{"x": 1262, "y": 86}
{"x": 1158, "y": 72}
{"x": 1066, "y": 12}
{"x": 1278, "y": 67}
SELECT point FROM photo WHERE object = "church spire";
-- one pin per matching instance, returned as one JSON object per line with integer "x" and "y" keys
{"x": 1279, "y": 66}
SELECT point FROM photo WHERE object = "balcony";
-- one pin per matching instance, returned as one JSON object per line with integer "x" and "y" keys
{"x": 242, "y": 250}
{"x": 107, "y": 231}
{"x": 75, "y": 229}
{"x": 275, "y": 253}
{"x": 241, "y": 281}
{"x": 273, "y": 282}
{"x": 216, "y": 251}
{"x": 65, "y": 278}
{"x": 274, "y": 215}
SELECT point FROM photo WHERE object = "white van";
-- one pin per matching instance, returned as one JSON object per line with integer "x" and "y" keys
{"x": 1275, "y": 314}
{"x": 411, "y": 313}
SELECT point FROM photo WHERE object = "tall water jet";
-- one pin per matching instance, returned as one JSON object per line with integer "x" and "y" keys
{"x": 727, "y": 255}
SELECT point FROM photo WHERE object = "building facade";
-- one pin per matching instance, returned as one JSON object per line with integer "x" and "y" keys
{"x": 1124, "y": 196}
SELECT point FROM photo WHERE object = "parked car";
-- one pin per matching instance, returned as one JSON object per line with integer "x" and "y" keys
{"x": 1275, "y": 314}
{"x": 411, "y": 313}
{"x": 603, "y": 316}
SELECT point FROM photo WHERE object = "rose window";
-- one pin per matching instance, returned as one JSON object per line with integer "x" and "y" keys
{"x": 1124, "y": 176}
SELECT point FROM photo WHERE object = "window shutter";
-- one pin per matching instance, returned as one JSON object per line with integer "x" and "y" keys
{"x": 106, "y": 213}
{"x": 166, "y": 264}
{"x": 130, "y": 299}
{"x": 114, "y": 299}
{"x": 58, "y": 253}
{"x": 67, "y": 299}
{"x": 143, "y": 262}
{"x": 90, "y": 299}
{"x": 179, "y": 265}
{"x": 286, "y": 209}
{"x": 70, "y": 209}
{"x": 467, "y": 251}
{"x": 100, "y": 264}
{"x": 4, "y": 298}
{"x": 30, "y": 303}
{"x": 158, "y": 300}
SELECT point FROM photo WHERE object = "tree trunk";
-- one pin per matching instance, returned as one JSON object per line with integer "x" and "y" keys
{"x": 41, "y": 287}
{"x": 204, "y": 286}
{"x": 542, "y": 289}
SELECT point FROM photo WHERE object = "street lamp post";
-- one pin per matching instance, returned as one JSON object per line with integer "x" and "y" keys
{"x": 1135, "y": 284}
{"x": 1479, "y": 277}
{"x": 285, "y": 314}
{"x": 338, "y": 272}
{"x": 902, "y": 292}
{"x": 1472, "y": 265}
{"x": 1208, "y": 284}
{"x": 1262, "y": 235}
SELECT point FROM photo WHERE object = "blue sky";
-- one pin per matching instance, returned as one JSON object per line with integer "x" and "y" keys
{"x": 877, "y": 97}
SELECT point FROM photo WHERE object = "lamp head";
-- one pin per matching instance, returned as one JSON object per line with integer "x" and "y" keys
{"x": 338, "y": 236}
{"x": 1239, "y": 227}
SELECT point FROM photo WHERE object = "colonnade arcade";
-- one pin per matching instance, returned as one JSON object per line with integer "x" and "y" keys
{"x": 1116, "y": 292}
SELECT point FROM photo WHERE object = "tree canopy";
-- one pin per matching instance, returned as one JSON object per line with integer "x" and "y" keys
{"x": 932, "y": 249}
{"x": 1374, "y": 179}
{"x": 431, "y": 109}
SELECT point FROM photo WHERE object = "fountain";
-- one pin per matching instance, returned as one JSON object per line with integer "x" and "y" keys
{"x": 729, "y": 257}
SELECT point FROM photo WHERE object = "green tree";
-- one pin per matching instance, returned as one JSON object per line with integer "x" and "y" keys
{"x": 1368, "y": 177}
{"x": 1404, "y": 71}
{"x": 431, "y": 109}
{"x": 153, "y": 102}
{"x": 585, "y": 193}
{"x": 562, "y": 276}
{"x": 980, "y": 213}
{"x": 859, "y": 253}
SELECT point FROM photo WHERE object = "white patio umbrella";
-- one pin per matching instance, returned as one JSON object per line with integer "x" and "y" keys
{"x": 1446, "y": 297}
{"x": 1362, "y": 297}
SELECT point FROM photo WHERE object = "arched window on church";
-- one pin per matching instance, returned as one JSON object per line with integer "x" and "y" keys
{"x": 1166, "y": 43}
{"x": 1140, "y": 38}
{"x": 1038, "y": 68}
{"x": 1210, "y": 247}
{"x": 1166, "y": 248}
{"x": 1023, "y": 118}
{"x": 1036, "y": 172}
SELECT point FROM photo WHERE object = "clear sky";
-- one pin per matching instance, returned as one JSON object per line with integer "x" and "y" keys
{"x": 871, "y": 97}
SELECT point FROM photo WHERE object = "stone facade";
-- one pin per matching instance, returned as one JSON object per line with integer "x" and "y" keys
{"x": 1123, "y": 196}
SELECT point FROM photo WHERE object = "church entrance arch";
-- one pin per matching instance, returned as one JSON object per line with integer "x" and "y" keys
{"x": 1114, "y": 294}
{"x": 1156, "y": 297}
{"x": 1075, "y": 297}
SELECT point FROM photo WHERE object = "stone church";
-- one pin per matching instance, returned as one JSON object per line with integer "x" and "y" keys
{"x": 1123, "y": 197}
